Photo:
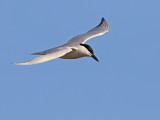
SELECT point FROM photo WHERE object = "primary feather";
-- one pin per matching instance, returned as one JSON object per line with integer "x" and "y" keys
{"x": 57, "y": 52}
{"x": 102, "y": 28}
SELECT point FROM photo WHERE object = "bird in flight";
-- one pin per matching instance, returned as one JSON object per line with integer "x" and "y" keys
{"x": 73, "y": 48}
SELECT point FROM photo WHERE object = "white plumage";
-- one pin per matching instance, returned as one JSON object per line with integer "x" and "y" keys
{"x": 73, "y": 48}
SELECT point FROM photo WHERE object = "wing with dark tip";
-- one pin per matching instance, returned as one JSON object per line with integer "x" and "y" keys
{"x": 102, "y": 28}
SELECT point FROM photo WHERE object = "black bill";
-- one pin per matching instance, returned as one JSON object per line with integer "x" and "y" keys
{"x": 94, "y": 57}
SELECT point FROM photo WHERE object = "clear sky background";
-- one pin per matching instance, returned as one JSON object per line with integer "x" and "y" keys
{"x": 124, "y": 85}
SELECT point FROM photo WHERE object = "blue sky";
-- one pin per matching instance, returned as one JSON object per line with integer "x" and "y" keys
{"x": 124, "y": 85}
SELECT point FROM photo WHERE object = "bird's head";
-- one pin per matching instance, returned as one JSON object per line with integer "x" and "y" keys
{"x": 90, "y": 51}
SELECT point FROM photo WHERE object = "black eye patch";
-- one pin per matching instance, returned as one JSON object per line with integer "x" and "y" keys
{"x": 88, "y": 48}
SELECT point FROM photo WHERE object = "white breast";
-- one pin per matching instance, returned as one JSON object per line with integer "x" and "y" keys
{"x": 76, "y": 53}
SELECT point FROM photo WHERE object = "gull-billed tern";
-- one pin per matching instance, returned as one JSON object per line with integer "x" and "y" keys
{"x": 73, "y": 48}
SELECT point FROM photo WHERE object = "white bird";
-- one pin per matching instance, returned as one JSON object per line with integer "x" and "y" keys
{"x": 73, "y": 48}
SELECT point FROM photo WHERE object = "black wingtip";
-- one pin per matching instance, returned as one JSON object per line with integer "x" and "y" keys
{"x": 102, "y": 20}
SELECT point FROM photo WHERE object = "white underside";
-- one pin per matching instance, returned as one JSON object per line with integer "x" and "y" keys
{"x": 73, "y": 55}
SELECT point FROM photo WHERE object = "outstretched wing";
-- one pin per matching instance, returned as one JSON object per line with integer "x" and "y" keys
{"x": 96, "y": 31}
{"x": 54, "y": 53}
{"x": 47, "y": 51}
